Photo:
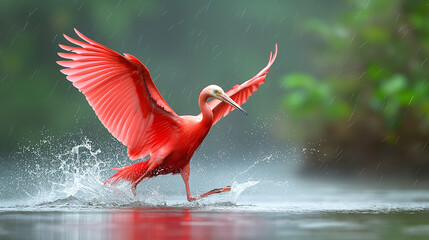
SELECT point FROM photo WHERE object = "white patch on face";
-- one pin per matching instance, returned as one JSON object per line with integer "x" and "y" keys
{"x": 215, "y": 91}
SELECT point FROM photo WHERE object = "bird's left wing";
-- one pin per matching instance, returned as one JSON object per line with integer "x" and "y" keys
{"x": 121, "y": 92}
{"x": 240, "y": 93}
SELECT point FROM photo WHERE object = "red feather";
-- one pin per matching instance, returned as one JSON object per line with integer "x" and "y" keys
{"x": 121, "y": 91}
{"x": 122, "y": 94}
{"x": 240, "y": 93}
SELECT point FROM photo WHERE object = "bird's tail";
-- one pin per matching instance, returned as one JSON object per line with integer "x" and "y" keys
{"x": 131, "y": 173}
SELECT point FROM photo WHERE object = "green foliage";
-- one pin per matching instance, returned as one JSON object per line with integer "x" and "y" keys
{"x": 379, "y": 50}
{"x": 308, "y": 98}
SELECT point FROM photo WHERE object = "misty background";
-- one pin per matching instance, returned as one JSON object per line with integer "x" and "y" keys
{"x": 347, "y": 95}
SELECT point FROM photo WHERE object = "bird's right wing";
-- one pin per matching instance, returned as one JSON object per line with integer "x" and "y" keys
{"x": 240, "y": 93}
{"x": 121, "y": 92}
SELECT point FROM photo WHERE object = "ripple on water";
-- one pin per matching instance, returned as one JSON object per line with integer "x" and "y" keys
{"x": 74, "y": 180}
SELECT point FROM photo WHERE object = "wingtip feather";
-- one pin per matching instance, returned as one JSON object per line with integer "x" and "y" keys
{"x": 62, "y": 63}
{"x": 62, "y": 70}
{"x": 275, "y": 53}
{"x": 70, "y": 39}
{"x": 65, "y": 48}
{"x": 64, "y": 55}
{"x": 82, "y": 36}
{"x": 59, "y": 63}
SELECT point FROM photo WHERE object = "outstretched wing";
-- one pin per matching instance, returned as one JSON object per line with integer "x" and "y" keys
{"x": 240, "y": 93}
{"x": 122, "y": 94}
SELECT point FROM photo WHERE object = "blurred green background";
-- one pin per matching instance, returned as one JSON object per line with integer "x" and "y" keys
{"x": 349, "y": 87}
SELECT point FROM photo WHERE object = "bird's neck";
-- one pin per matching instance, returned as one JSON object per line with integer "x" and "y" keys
{"x": 205, "y": 109}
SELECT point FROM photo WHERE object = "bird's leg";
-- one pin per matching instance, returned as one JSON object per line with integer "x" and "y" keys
{"x": 185, "y": 176}
{"x": 133, "y": 189}
{"x": 154, "y": 164}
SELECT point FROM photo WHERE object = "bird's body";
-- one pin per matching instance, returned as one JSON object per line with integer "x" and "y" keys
{"x": 121, "y": 91}
{"x": 174, "y": 155}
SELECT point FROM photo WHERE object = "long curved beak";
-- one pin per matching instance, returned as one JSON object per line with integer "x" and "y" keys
{"x": 225, "y": 98}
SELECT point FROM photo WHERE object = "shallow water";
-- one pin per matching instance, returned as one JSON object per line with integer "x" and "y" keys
{"x": 66, "y": 199}
{"x": 250, "y": 219}
{"x": 327, "y": 212}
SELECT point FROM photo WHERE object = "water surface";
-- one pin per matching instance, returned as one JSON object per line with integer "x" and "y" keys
{"x": 65, "y": 199}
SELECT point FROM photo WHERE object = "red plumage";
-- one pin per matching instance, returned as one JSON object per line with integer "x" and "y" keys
{"x": 240, "y": 93}
{"x": 121, "y": 91}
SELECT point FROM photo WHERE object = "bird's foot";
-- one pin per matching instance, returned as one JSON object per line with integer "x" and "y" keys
{"x": 191, "y": 198}
{"x": 217, "y": 190}
{"x": 225, "y": 189}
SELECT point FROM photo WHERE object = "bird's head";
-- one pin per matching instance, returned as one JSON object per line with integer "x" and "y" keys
{"x": 218, "y": 93}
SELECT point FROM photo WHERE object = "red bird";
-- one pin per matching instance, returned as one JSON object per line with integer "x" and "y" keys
{"x": 122, "y": 93}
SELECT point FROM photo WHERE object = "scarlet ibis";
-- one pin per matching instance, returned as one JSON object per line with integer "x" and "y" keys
{"x": 123, "y": 95}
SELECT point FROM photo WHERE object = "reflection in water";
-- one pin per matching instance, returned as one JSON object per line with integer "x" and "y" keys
{"x": 70, "y": 202}
{"x": 134, "y": 223}
{"x": 145, "y": 223}
{"x": 169, "y": 223}
{"x": 203, "y": 223}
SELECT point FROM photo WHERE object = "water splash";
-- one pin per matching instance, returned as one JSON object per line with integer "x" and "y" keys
{"x": 237, "y": 189}
{"x": 75, "y": 179}
{"x": 265, "y": 159}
